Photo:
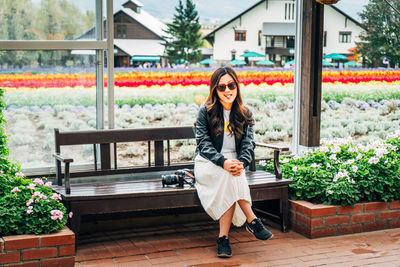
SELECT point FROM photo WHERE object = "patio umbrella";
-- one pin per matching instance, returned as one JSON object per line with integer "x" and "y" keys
{"x": 291, "y": 62}
{"x": 207, "y": 61}
{"x": 181, "y": 61}
{"x": 352, "y": 64}
{"x": 252, "y": 54}
{"x": 336, "y": 56}
{"x": 326, "y": 63}
{"x": 237, "y": 62}
{"x": 265, "y": 62}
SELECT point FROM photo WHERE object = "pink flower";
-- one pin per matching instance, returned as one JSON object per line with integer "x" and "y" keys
{"x": 315, "y": 165}
{"x": 294, "y": 169}
{"x": 333, "y": 157}
{"x": 31, "y": 186}
{"x": 30, "y": 201}
{"x": 38, "y": 181}
{"x": 354, "y": 168}
{"x": 335, "y": 149}
{"x": 48, "y": 184}
{"x": 56, "y": 196}
{"x": 16, "y": 189}
{"x": 19, "y": 174}
{"x": 373, "y": 160}
{"x": 30, "y": 210}
{"x": 56, "y": 214}
{"x": 324, "y": 149}
{"x": 70, "y": 214}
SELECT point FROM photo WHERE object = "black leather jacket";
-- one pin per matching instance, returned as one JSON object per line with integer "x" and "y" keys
{"x": 209, "y": 145}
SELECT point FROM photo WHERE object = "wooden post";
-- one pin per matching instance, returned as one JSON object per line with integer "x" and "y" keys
{"x": 310, "y": 76}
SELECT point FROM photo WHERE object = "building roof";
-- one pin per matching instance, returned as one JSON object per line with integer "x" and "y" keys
{"x": 144, "y": 18}
{"x": 147, "y": 20}
{"x": 210, "y": 35}
{"x": 140, "y": 47}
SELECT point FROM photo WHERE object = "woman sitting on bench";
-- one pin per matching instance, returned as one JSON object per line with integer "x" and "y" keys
{"x": 224, "y": 136}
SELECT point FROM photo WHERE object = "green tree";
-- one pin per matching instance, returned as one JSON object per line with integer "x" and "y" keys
{"x": 183, "y": 37}
{"x": 15, "y": 25}
{"x": 382, "y": 33}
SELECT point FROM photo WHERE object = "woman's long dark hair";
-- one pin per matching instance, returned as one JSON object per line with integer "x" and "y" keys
{"x": 239, "y": 116}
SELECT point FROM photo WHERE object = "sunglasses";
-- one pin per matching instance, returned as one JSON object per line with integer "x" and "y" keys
{"x": 222, "y": 87}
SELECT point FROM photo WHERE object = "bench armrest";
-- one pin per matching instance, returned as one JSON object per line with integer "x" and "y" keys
{"x": 277, "y": 150}
{"x": 67, "y": 160}
{"x": 62, "y": 158}
{"x": 274, "y": 147}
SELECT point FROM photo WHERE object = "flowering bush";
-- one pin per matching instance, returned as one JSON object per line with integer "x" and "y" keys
{"x": 26, "y": 206}
{"x": 30, "y": 207}
{"x": 341, "y": 173}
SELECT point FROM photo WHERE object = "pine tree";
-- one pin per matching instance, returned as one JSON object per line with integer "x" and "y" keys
{"x": 382, "y": 33}
{"x": 183, "y": 37}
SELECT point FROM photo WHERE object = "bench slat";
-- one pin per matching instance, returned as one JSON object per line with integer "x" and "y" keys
{"x": 124, "y": 135}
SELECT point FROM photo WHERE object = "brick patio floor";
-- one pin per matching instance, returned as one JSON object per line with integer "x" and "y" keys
{"x": 195, "y": 245}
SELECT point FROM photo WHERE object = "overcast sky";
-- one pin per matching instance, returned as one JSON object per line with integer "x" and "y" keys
{"x": 209, "y": 10}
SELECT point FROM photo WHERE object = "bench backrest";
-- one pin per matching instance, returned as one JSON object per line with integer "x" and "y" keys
{"x": 155, "y": 137}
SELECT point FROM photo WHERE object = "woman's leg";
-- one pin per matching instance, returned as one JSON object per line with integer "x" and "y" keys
{"x": 225, "y": 221}
{"x": 246, "y": 208}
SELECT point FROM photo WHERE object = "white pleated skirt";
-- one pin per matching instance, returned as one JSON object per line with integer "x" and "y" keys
{"x": 218, "y": 190}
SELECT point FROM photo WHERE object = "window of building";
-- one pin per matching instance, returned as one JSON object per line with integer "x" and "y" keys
{"x": 259, "y": 38}
{"x": 289, "y": 11}
{"x": 240, "y": 35}
{"x": 344, "y": 37}
{"x": 325, "y": 33}
{"x": 121, "y": 31}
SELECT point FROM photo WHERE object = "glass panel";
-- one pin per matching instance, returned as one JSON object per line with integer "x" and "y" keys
{"x": 47, "y": 20}
{"x": 49, "y": 89}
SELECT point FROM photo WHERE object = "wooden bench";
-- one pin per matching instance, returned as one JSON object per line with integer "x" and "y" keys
{"x": 141, "y": 194}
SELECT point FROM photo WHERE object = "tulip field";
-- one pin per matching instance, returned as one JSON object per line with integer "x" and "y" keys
{"x": 361, "y": 103}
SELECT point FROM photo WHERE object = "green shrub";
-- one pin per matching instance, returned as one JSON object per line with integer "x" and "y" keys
{"x": 26, "y": 206}
{"x": 30, "y": 207}
{"x": 340, "y": 173}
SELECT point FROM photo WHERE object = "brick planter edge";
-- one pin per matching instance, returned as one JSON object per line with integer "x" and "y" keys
{"x": 317, "y": 220}
{"x": 56, "y": 249}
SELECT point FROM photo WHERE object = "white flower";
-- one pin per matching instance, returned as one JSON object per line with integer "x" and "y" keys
{"x": 294, "y": 168}
{"x": 379, "y": 152}
{"x": 285, "y": 160}
{"x": 354, "y": 168}
{"x": 48, "y": 184}
{"x": 328, "y": 165}
{"x": 359, "y": 156}
{"x": 373, "y": 160}
{"x": 350, "y": 161}
{"x": 262, "y": 162}
{"x": 386, "y": 161}
{"x": 352, "y": 149}
{"x": 324, "y": 149}
{"x": 335, "y": 149}
{"x": 315, "y": 165}
{"x": 330, "y": 192}
{"x": 333, "y": 157}
{"x": 296, "y": 157}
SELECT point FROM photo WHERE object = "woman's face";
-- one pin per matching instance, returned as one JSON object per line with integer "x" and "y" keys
{"x": 228, "y": 95}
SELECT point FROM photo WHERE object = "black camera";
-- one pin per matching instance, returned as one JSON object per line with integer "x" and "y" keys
{"x": 180, "y": 177}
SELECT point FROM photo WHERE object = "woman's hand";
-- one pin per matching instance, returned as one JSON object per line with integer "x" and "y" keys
{"x": 233, "y": 166}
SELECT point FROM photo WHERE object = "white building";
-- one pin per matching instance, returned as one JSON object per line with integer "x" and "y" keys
{"x": 268, "y": 27}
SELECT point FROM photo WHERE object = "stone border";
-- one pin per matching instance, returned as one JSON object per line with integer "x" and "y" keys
{"x": 56, "y": 249}
{"x": 317, "y": 220}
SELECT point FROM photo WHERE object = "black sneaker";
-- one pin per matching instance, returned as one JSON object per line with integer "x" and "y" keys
{"x": 257, "y": 228}
{"x": 224, "y": 248}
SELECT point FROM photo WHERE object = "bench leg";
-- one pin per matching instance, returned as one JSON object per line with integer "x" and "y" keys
{"x": 284, "y": 209}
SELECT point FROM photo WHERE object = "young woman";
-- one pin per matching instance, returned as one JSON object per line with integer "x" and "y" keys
{"x": 224, "y": 137}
